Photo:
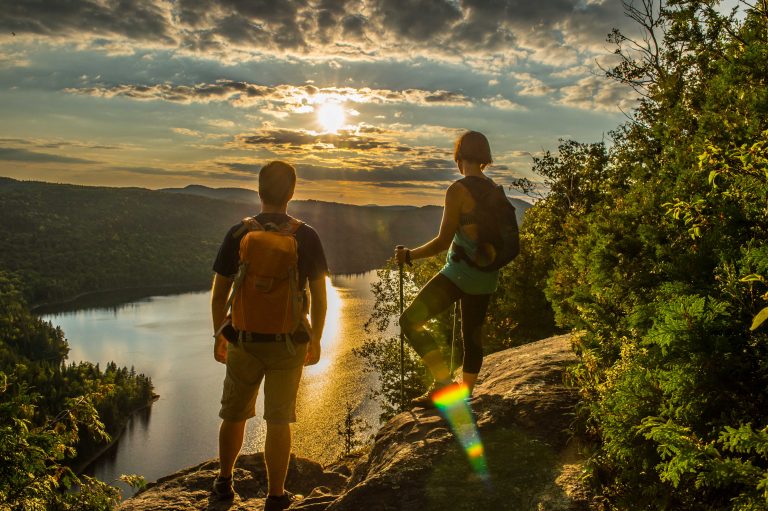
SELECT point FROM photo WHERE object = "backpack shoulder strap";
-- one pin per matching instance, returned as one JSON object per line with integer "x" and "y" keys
{"x": 292, "y": 225}
{"x": 477, "y": 186}
{"x": 249, "y": 224}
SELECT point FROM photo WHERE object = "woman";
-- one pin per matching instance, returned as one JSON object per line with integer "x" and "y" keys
{"x": 458, "y": 280}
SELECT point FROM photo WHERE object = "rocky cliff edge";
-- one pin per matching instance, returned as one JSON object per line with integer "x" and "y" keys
{"x": 523, "y": 412}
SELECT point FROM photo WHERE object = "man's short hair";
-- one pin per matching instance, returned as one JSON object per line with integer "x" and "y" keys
{"x": 277, "y": 181}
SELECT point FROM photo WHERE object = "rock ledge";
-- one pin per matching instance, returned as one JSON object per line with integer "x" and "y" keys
{"x": 523, "y": 411}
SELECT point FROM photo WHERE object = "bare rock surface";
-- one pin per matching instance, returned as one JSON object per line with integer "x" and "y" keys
{"x": 523, "y": 410}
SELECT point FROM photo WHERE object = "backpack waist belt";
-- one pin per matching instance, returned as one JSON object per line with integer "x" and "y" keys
{"x": 300, "y": 337}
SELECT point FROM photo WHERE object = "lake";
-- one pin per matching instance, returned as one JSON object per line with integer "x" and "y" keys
{"x": 169, "y": 339}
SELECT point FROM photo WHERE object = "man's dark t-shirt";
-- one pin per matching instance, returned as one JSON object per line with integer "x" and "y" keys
{"x": 312, "y": 263}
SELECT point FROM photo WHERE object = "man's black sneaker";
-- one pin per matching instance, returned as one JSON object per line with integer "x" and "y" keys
{"x": 284, "y": 501}
{"x": 223, "y": 488}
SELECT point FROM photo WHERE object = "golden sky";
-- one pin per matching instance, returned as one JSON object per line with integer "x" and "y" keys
{"x": 365, "y": 97}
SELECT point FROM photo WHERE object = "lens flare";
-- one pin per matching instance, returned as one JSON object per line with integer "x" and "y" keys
{"x": 453, "y": 404}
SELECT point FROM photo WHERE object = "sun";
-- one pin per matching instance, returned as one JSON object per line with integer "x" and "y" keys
{"x": 331, "y": 116}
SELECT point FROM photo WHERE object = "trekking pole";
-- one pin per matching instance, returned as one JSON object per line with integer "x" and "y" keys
{"x": 453, "y": 335}
{"x": 402, "y": 347}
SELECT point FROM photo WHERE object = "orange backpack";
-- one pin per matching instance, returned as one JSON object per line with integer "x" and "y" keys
{"x": 265, "y": 295}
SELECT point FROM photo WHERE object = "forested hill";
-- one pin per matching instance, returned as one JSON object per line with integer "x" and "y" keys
{"x": 64, "y": 240}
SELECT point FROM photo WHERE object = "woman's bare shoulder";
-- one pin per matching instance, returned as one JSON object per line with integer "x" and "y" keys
{"x": 457, "y": 188}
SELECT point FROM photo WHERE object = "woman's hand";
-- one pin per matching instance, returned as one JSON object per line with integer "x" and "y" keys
{"x": 401, "y": 255}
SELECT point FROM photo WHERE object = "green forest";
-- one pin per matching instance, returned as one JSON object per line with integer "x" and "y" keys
{"x": 66, "y": 240}
{"x": 653, "y": 250}
{"x": 55, "y": 416}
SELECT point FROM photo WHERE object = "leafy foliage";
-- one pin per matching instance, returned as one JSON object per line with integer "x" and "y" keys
{"x": 350, "y": 431}
{"x": 380, "y": 352}
{"x": 45, "y": 404}
{"x": 662, "y": 268}
{"x": 32, "y": 470}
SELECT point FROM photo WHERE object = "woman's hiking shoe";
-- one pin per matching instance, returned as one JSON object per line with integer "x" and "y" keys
{"x": 425, "y": 400}
{"x": 273, "y": 503}
{"x": 223, "y": 488}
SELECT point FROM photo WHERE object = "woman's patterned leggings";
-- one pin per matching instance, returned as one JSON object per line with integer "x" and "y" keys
{"x": 434, "y": 298}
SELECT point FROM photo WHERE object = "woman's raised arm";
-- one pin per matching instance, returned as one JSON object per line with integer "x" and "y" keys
{"x": 448, "y": 227}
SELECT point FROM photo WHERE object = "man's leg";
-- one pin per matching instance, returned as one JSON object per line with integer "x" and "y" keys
{"x": 281, "y": 385}
{"x": 231, "y": 435}
{"x": 277, "y": 454}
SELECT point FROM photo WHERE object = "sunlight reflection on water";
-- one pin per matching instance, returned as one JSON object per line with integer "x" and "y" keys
{"x": 330, "y": 339}
{"x": 168, "y": 338}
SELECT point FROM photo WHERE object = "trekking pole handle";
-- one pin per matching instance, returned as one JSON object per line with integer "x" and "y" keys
{"x": 407, "y": 255}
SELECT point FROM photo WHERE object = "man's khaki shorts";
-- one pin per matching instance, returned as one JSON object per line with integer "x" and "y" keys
{"x": 250, "y": 363}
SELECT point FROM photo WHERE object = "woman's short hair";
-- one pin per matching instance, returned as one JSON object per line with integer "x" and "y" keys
{"x": 277, "y": 181}
{"x": 473, "y": 146}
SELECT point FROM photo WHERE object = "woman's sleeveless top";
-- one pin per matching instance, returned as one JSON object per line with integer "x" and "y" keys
{"x": 467, "y": 278}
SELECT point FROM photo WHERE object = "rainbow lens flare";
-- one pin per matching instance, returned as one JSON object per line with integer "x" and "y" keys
{"x": 453, "y": 404}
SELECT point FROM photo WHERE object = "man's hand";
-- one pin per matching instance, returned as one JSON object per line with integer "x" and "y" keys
{"x": 220, "y": 349}
{"x": 313, "y": 353}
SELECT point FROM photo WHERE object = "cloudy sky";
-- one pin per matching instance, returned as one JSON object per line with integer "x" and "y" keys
{"x": 365, "y": 97}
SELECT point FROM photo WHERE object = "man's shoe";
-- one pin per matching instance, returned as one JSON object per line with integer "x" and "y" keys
{"x": 425, "y": 400}
{"x": 273, "y": 503}
{"x": 223, "y": 488}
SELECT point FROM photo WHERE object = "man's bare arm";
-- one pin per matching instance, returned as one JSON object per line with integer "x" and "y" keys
{"x": 219, "y": 295}
{"x": 317, "y": 309}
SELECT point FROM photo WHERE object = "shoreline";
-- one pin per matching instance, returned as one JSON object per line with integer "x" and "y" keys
{"x": 134, "y": 293}
{"x": 140, "y": 291}
{"x": 83, "y": 465}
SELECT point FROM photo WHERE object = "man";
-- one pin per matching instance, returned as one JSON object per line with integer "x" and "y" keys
{"x": 251, "y": 357}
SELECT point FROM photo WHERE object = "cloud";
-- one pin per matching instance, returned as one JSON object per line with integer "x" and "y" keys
{"x": 39, "y": 143}
{"x": 143, "y": 21}
{"x": 25, "y": 155}
{"x": 530, "y": 85}
{"x": 9, "y": 59}
{"x": 187, "y": 132}
{"x": 416, "y": 20}
{"x": 365, "y": 153}
{"x": 596, "y": 93}
{"x": 503, "y": 103}
{"x": 381, "y": 173}
{"x": 442, "y": 185}
{"x": 295, "y": 98}
{"x": 362, "y": 139}
{"x": 221, "y": 123}
{"x": 304, "y": 138}
{"x": 484, "y": 33}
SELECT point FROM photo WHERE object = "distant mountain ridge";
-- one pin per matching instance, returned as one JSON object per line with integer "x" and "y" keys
{"x": 236, "y": 194}
{"x": 252, "y": 197}
{"x": 64, "y": 240}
